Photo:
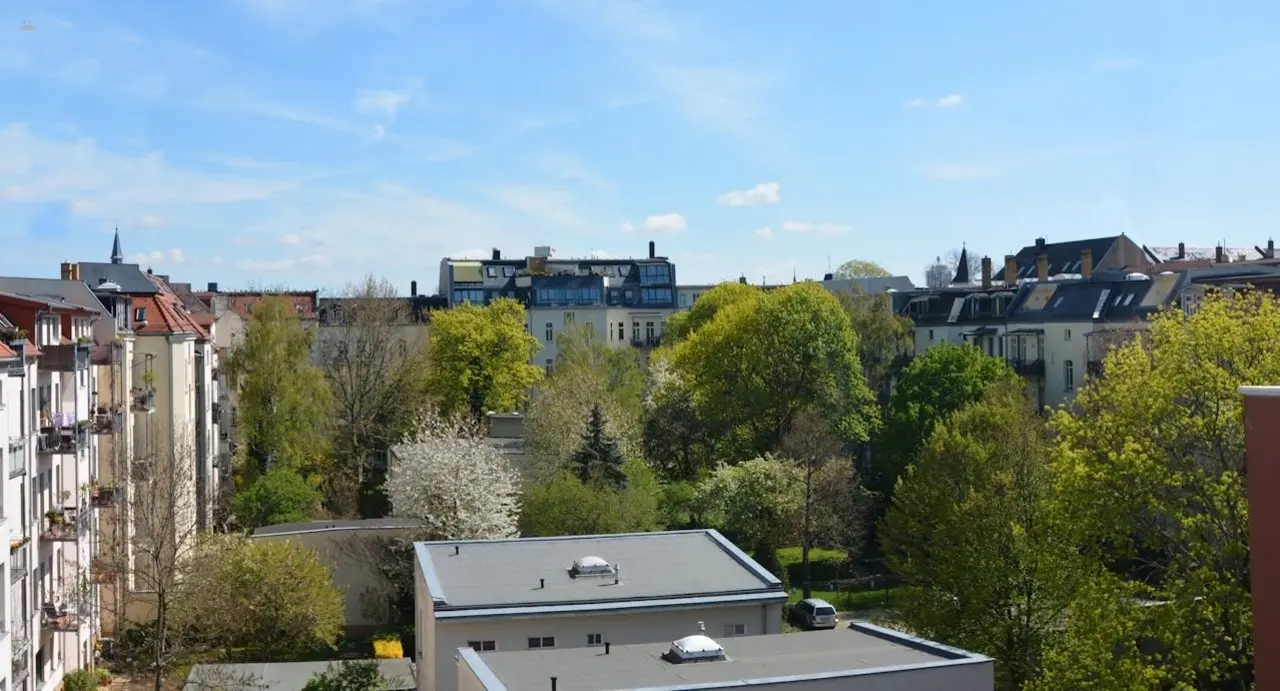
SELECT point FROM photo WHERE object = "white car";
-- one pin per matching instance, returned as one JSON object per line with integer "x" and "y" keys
{"x": 813, "y": 613}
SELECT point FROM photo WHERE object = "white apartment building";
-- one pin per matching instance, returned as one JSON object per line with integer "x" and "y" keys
{"x": 20, "y": 616}
{"x": 577, "y": 592}
{"x": 858, "y": 657}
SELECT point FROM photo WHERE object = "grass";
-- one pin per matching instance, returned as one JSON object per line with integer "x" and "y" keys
{"x": 860, "y": 601}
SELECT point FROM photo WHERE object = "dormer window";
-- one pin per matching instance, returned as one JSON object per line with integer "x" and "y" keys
{"x": 140, "y": 315}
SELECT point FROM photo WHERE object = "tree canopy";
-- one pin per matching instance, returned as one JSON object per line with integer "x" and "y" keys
{"x": 599, "y": 459}
{"x": 861, "y": 268}
{"x": 680, "y": 325}
{"x": 480, "y": 358}
{"x": 568, "y": 506}
{"x": 278, "y": 496}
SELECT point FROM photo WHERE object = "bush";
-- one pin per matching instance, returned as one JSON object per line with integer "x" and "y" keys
{"x": 280, "y": 496}
{"x": 824, "y": 564}
{"x": 387, "y": 646}
{"x": 104, "y": 676}
{"x": 80, "y": 680}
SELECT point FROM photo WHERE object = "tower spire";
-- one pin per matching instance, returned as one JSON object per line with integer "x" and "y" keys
{"x": 117, "y": 257}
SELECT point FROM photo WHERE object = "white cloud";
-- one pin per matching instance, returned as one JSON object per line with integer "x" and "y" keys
{"x": 290, "y": 239}
{"x": 764, "y": 193}
{"x": 553, "y": 206}
{"x": 385, "y": 101}
{"x": 825, "y": 228}
{"x": 266, "y": 265}
{"x": 569, "y": 167}
{"x": 215, "y": 259}
{"x": 314, "y": 259}
{"x": 765, "y": 233}
{"x": 959, "y": 172}
{"x": 379, "y": 133}
{"x": 659, "y": 224}
{"x": 176, "y": 256}
{"x": 158, "y": 257}
{"x": 948, "y": 101}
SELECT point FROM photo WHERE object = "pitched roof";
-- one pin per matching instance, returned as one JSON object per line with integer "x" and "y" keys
{"x": 75, "y": 294}
{"x": 1064, "y": 257}
{"x": 304, "y": 302}
{"x": 164, "y": 313}
{"x": 129, "y": 277}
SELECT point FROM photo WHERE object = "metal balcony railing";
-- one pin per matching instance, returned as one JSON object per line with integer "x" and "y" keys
{"x": 1027, "y": 366}
{"x": 57, "y": 618}
{"x": 105, "y": 496}
{"x": 61, "y": 525}
{"x": 65, "y": 358}
{"x": 17, "y": 460}
{"x": 144, "y": 401}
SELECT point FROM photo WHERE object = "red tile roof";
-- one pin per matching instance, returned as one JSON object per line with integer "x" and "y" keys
{"x": 6, "y": 351}
{"x": 165, "y": 313}
{"x": 304, "y": 302}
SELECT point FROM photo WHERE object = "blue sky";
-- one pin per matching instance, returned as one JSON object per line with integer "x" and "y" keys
{"x": 308, "y": 142}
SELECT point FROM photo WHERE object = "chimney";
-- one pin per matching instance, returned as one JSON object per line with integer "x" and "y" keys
{"x": 1086, "y": 262}
{"x": 1039, "y": 245}
{"x": 457, "y": 549}
{"x": 828, "y": 277}
{"x": 1010, "y": 270}
{"x": 1271, "y": 249}
{"x": 66, "y": 271}
{"x": 1182, "y": 250}
{"x": 1220, "y": 254}
{"x": 553, "y": 683}
{"x": 986, "y": 273}
{"x": 413, "y": 289}
{"x": 213, "y": 286}
{"x": 497, "y": 254}
{"x": 652, "y": 253}
{"x": 1262, "y": 463}
{"x": 1042, "y": 267}
{"x": 742, "y": 280}
{"x": 606, "y": 647}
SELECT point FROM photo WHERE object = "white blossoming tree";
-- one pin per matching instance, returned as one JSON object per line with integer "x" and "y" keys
{"x": 454, "y": 481}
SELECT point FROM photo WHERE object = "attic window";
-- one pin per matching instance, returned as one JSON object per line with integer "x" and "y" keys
{"x": 591, "y": 566}
{"x": 695, "y": 648}
{"x": 140, "y": 315}
{"x": 1128, "y": 299}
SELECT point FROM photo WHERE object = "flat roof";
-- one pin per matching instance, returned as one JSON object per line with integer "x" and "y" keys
{"x": 857, "y": 650}
{"x": 652, "y": 569}
{"x": 286, "y": 676}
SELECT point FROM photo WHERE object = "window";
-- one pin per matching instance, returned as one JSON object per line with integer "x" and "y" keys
{"x": 648, "y": 331}
{"x": 1066, "y": 334}
{"x": 508, "y": 271}
{"x": 140, "y": 314}
{"x": 930, "y": 334}
{"x": 551, "y": 334}
{"x": 569, "y": 317}
{"x": 622, "y": 331}
{"x": 684, "y": 299}
{"x": 482, "y": 646}
{"x": 651, "y": 296}
{"x": 735, "y": 629}
{"x": 549, "y": 366}
{"x": 1068, "y": 375}
{"x": 462, "y": 296}
{"x": 491, "y": 271}
{"x": 591, "y": 328}
{"x": 635, "y": 331}
{"x": 543, "y": 642}
{"x": 595, "y": 639}
{"x": 651, "y": 274}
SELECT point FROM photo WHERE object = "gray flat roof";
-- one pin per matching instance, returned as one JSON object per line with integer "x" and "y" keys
{"x": 534, "y": 572}
{"x": 285, "y": 676}
{"x": 331, "y": 526}
{"x": 860, "y": 649}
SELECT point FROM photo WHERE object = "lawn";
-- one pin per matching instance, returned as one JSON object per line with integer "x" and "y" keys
{"x": 856, "y": 601}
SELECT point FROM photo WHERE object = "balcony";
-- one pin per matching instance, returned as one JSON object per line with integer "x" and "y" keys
{"x": 57, "y": 440}
{"x": 105, "y": 423}
{"x": 144, "y": 401}
{"x": 1027, "y": 367}
{"x": 21, "y": 666}
{"x": 17, "y": 459}
{"x": 60, "y": 525}
{"x": 73, "y": 357}
{"x": 55, "y": 618}
{"x": 18, "y": 566}
{"x": 105, "y": 497}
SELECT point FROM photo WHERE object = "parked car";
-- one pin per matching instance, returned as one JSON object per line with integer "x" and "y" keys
{"x": 813, "y": 613}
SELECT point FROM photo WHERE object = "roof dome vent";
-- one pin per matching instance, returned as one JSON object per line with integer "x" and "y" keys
{"x": 1137, "y": 276}
{"x": 591, "y": 566}
{"x": 695, "y": 648}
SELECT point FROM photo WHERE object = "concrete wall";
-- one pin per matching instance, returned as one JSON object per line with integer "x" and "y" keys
{"x": 570, "y": 631}
{"x": 603, "y": 322}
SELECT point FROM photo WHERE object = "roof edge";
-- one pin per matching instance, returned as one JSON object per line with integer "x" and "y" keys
{"x": 484, "y": 674}
{"x": 743, "y": 560}
{"x": 435, "y": 590}
{"x": 679, "y": 602}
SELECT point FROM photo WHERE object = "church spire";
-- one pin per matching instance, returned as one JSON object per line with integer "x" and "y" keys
{"x": 962, "y": 268}
{"x": 117, "y": 257}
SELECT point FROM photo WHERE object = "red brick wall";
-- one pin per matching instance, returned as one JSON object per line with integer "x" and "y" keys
{"x": 1262, "y": 461}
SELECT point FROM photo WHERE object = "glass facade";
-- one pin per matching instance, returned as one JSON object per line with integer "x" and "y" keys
{"x": 655, "y": 274}
{"x": 567, "y": 296}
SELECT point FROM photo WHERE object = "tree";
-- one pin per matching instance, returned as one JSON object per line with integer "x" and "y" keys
{"x": 946, "y": 378}
{"x": 861, "y": 268}
{"x": 760, "y": 362}
{"x": 973, "y": 263}
{"x": 1151, "y": 464}
{"x": 480, "y": 358}
{"x": 988, "y": 562}
{"x": 599, "y": 460}
{"x": 832, "y": 503}
{"x": 373, "y": 350}
{"x": 883, "y": 336}
{"x": 283, "y": 404}
{"x": 681, "y": 325}
{"x": 279, "y": 496}
{"x": 260, "y": 600}
{"x": 568, "y": 506}
{"x": 938, "y": 274}
{"x": 678, "y": 441}
{"x": 449, "y": 477}
{"x": 588, "y": 372}
{"x": 348, "y": 675}
{"x": 757, "y": 503}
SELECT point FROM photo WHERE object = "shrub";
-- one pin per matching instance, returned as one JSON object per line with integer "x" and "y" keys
{"x": 387, "y": 646}
{"x": 104, "y": 676}
{"x": 824, "y": 564}
{"x": 80, "y": 680}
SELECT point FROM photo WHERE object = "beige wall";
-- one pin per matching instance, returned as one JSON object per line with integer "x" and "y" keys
{"x": 570, "y": 631}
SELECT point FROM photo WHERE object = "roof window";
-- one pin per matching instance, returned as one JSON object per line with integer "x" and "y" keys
{"x": 591, "y": 566}
{"x": 695, "y": 648}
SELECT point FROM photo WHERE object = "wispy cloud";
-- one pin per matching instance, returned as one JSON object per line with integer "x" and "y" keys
{"x": 550, "y": 205}
{"x": 567, "y": 166}
{"x": 659, "y": 224}
{"x": 385, "y": 101}
{"x": 825, "y": 228}
{"x": 948, "y": 101}
{"x": 765, "y": 233}
{"x": 764, "y": 193}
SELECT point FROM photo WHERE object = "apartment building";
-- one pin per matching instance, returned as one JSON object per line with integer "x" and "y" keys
{"x": 577, "y": 592}
{"x": 408, "y": 325}
{"x": 624, "y": 302}
{"x": 859, "y": 657}
{"x": 56, "y": 320}
{"x": 20, "y": 615}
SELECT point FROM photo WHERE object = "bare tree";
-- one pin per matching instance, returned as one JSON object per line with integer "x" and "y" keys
{"x": 832, "y": 502}
{"x": 451, "y": 478}
{"x": 372, "y": 347}
{"x": 942, "y": 271}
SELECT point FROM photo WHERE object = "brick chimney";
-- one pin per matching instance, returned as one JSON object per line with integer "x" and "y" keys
{"x": 1042, "y": 267}
{"x": 1220, "y": 254}
{"x": 1262, "y": 463}
{"x": 1010, "y": 270}
{"x": 1182, "y": 250}
{"x": 1086, "y": 262}
{"x": 986, "y": 273}
{"x": 67, "y": 271}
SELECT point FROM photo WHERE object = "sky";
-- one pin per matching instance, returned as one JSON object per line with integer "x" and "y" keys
{"x": 307, "y": 143}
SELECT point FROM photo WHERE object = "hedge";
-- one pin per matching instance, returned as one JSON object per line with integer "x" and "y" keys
{"x": 824, "y": 564}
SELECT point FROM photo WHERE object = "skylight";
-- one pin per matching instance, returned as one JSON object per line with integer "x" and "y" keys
{"x": 591, "y": 566}
{"x": 695, "y": 648}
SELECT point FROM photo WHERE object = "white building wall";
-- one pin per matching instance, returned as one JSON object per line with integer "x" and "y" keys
{"x": 618, "y": 326}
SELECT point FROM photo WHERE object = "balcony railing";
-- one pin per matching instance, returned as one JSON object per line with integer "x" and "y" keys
{"x": 61, "y": 525}
{"x": 105, "y": 423}
{"x": 21, "y": 666}
{"x": 18, "y": 566}
{"x": 55, "y": 440}
{"x": 57, "y": 618}
{"x": 72, "y": 357}
{"x": 144, "y": 401}
{"x": 17, "y": 460}
{"x": 1027, "y": 367}
{"x": 105, "y": 497}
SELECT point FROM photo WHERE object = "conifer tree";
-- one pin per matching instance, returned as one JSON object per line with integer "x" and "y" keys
{"x": 600, "y": 458}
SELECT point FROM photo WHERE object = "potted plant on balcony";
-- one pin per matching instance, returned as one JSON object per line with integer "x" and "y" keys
{"x": 83, "y": 340}
{"x": 55, "y": 518}
{"x": 149, "y": 379}
{"x": 13, "y": 335}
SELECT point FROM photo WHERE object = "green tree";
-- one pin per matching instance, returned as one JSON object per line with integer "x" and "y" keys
{"x": 261, "y": 600}
{"x": 758, "y": 504}
{"x": 279, "y": 496}
{"x": 883, "y": 336}
{"x": 678, "y": 441}
{"x": 480, "y": 358}
{"x": 946, "y": 378}
{"x": 588, "y": 372}
{"x": 988, "y": 562}
{"x": 283, "y": 403}
{"x": 760, "y": 362}
{"x": 348, "y": 675}
{"x": 373, "y": 350}
{"x": 568, "y": 506}
{"x": 861, "y": 268}
{"x": 681, "y": 325}
{"x": 598, "y": 460}
{"x": 1151, "y": 463}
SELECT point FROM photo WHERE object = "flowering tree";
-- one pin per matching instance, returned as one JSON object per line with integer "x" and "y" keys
{"x": 452, "y": 479}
